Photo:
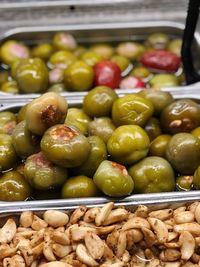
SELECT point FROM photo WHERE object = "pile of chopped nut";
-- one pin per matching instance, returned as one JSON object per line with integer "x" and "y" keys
{"x": 105, "y": 237}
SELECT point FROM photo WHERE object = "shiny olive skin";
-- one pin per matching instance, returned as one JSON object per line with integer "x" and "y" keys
{"x": 79, "y": 76}
{"x": 175, "y": 46}
{"x": 24, "y": 142}
{"x": 10, "y": 87}
{"x": 43, "y": 174}
{"x": 57, "y": 88}
{"x": 14, "y": 187}
{"x": 62, "y": 59}
{"x": 183, "y": 152}
{"x": 196, "y": 132}
{"x": 31, "y": 75}
{"x": 121, "y": 61}
{"x": 78, "y": 118}
{"x": 104, "y": 50}
{"x": 79, "y": 186}
{"x": 159, "y": 145}
{"x": 42, "y": 51}
{"x": 196, "y": 178}
{"x": 8, "y": 156}
{"x": 91, "y": 58}
{"x": 64, "y": 41}
{"x": 140, "y": 72}
{"x": 159, "y": 99}
{"x": 113, "y": 179}
{"x": 131, "y": 50}
{"x": 128, "y": 144}
{"x": 180, "y": 116}
{"x": 79, "y": 51}
{"x": 65, "y": 145}
{"x": 45, "y": 111}
{"x": 3, "y": 77}
{"x": 102, "y": 127}
{"x": 98, "y": 102}
{"x": 21, "y": 115}
{"x": 157, "y": 40}
{"x": 162, "y": 80}
{"x": 97, "y": 154}
{"x": 131, "y": 109}
{"x": 184, "y": 183}
{"x": 7, "y": 122}
{"x": 13, "y": 50}
{"x": 153, "y": 128}
{"x": 152, "y": 175}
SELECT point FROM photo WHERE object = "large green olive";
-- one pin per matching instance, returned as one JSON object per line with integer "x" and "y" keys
{"x": 113, "y": 179}
{"x": 79, "y": 186}
{"x": 12, "y": 50}
{"x": 175, "y": 46}
{"x": 181, "y": 116}
{"x": 64, "y": 40}
{"x": 128, "y": 144}
{"x": 21, "y": 115}
{"x": 183, "y": 152}
{"x": 160, "y": 99}
{"x": 98, "y": 102}
{"x": 7, "y": 122}
{"x": 62, "y": 59}
{"x": 102, "y": 127}
{"x": 196, "y": 132}
{"x": 121, "y": 61}
{"x": 131, "y": 50}
{"x": 43, "y": 174}
{"x": 97, "y": 154}
{"x": 162, "y": 80}
{"x": 42, "y": 51}
{"x": 45, "y": 111}
{"x": 91, "y": 58}
{"x": 78, "y": 118}
{"x": 158, "y": 40}
{"x": 104, "y": 50}
{"x": 64, "y": 145}
{"x": 152, "y": 175}
{"x": 13, "y": 187}
{"x": 159, "y": 145}
{"x": 140, "y": 72}
{"x": 24, "y": 142}
{"x": 79, "y": 76}
{"x": 131, "y": 109}
{"x": 8, "y": 156}
{"x": 31, "y": 75}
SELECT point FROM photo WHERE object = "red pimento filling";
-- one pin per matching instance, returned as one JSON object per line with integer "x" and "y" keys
{"x": 40, "y": 160}
{"x": 63, "y": 133}
{"x": 120, "y": 167}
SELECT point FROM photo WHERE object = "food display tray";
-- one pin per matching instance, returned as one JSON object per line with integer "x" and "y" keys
{"x": 97, "y": 33}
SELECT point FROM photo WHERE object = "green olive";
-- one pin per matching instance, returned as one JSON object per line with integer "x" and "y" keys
{"x": 175, "y": 46}
{"x": 10, "y": 87}
{"x": 78, "y": 118}
{"x": 13, "y": 187}
{"x": 79, "y": 76}
{"x": 43, "y": 174}
{"x": 131, "y": 109}
{"x": 79, "y": 51}
{"x": 7, "y": 122}
{"x": 152, "y": 128}
{"x": 158, "y": 40}
{"x": 152, "y": 175}
{"x": 21, "y": 115}
{"x": 97, "y": 154}
{"x": 24, "y": 142}
{"x": 131, "y": 50}
{"x": 57, "y": 88}
{"x": 91, "y": 58}
{"x": 42, "y": 51}
{"x": 62, "y": 59}
{"x": 104, "y": 50}
{"x": 98, "y": 102}
{"x": 12, "y": 50}
{"x": 196, "y": 132}
{"x": 64, "y": 40}
{"x": 121, "y": 61}
{"x": 79, "y": 186}
{"x": 113, "y": 179}
{"x": 31, "y": 75}
{"x": 184, "y": 182}
{"x": 8, "y": 156}
{"x": 64, "y": 145}
{"x": 183, "y": 152}
{"x": 45, "y": 111}
{"x": 4, "y": 75}
{"x": 102, "y": 127}
{"x": 128, "y": 144}
{"x": 196, "y": 178}
{"x": 162, "y": 80}
{"x": 140, "y": 72}
{"x": 159, "y": 145}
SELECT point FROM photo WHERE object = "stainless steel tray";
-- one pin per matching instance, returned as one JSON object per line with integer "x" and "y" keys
{"x": 94, "y": 33}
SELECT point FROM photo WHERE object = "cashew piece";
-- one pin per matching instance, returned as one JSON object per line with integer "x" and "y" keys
{"x": 187, "y": 244}
{"x": 115, "y": 216}
{"x": 8, "y": 231}
{"x": 84, "y": 257}
{"x": 26, "y": 219}
{"x": 94, "y": 245}
{"x": 103, "y": 213}
{"x": 55, "y": 218}
{"x": 160, "y": 229}
{"x": 136, "y": 222}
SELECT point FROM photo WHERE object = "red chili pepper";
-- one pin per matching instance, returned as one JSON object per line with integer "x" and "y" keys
{"x": 161, "y": 60}
{"x": 108, "y": 74}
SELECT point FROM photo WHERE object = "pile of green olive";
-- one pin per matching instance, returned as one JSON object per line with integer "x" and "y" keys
{"x": 64, "y": 65}
{"x": 145, "y": 142}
